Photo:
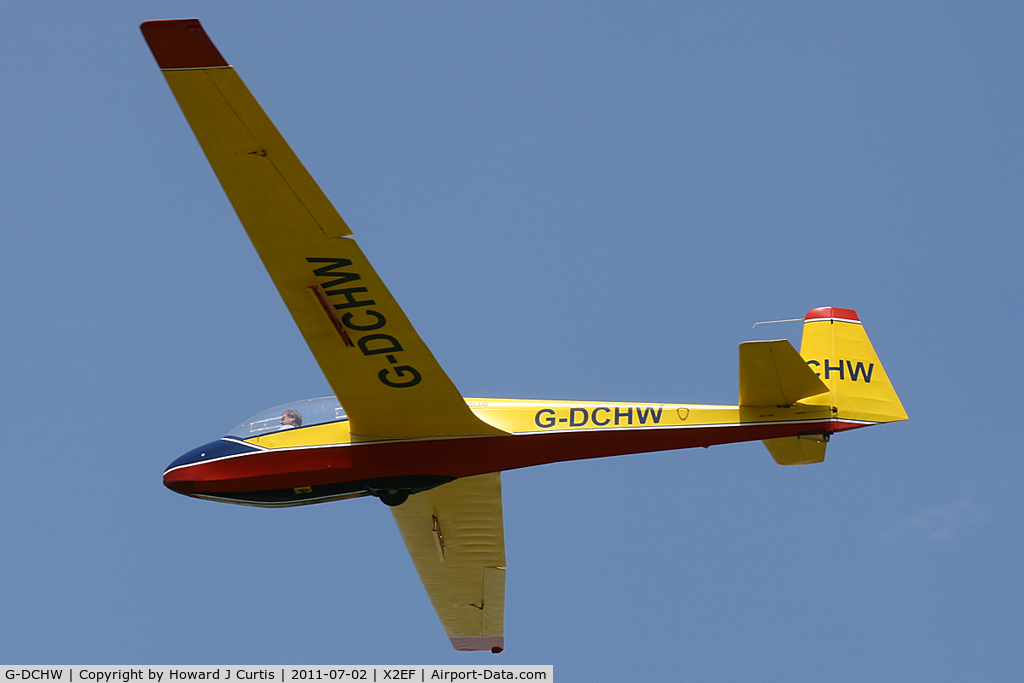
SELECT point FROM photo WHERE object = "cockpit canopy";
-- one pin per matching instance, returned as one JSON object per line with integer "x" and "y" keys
{"x": 312, "y": 411}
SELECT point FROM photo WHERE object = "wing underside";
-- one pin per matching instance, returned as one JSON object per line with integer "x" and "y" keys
{"x": 455, "y": 536}
{"x": 388, "y": 381}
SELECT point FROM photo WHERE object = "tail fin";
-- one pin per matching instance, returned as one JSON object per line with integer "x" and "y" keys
{"x": 837, "y": 348}
{"x": 836, "y": 368}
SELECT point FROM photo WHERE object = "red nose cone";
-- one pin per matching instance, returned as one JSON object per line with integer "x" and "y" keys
{"x": 178, "y": 484}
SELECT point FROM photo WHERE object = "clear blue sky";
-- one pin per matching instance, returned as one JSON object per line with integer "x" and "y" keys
{"x": 592, "y": 202}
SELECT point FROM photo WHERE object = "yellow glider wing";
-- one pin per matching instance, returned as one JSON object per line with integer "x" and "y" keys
{"x": 386, "y": 378}
{"x": 455, "y": 536}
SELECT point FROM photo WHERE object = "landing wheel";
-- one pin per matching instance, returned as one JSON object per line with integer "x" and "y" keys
{"x": 393, "y": 497}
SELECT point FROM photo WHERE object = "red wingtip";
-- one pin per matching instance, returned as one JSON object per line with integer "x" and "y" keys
{"x": 181, "y": 44}
{"x": 831, "y": 312}
{"x": 478, "y": 643}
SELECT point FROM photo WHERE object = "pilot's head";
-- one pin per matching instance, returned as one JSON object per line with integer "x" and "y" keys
{"x": 292, "y": 418}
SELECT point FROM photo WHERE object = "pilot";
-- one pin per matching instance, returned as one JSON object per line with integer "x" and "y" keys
{"x": 291, "y": 419}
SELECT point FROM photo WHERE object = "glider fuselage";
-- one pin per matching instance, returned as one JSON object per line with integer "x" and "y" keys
{"x": 322, "y": 462}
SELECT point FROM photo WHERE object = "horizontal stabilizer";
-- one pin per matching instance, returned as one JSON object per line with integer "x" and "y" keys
{"x": 772, "y": 373}
{"x": 797, "y": 450}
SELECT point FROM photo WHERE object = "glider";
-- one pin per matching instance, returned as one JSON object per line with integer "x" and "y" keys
{"x": 397, "y": 427}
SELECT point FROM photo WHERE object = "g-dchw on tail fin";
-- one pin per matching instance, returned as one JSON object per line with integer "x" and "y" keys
{"x": 837, "y": 348}
{"x": 837, "y": 369}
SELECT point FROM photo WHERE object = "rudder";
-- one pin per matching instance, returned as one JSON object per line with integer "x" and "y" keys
{"x": 837, "y": 348}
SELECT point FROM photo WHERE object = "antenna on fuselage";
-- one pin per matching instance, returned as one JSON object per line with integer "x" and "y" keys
{"x": 772, "y": 322}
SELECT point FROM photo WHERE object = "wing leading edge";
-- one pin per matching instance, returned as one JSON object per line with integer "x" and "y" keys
{"x": 388, "y": 381}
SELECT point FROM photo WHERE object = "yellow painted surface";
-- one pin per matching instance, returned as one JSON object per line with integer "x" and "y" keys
{"x": 386, "y": 378}
{"x": 523, "y": 416}
{"x": 841, "y": 354}
{"x": 316, "y": 435}
{"x": 772, "y": 373}
{"x": 455, "y": 536}
{"x": 795, "y": 450}
{"x": 530, "y": 417}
